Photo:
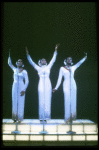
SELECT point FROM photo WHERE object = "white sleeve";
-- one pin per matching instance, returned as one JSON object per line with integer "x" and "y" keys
{"x": 59, "y": 79}
{"x": 26, "y": 80}
{"x": 32, "y": 62}
{"x": 53, "y": 59}
{"x": 10, "y": 64}
{"x": 79, "y": 63}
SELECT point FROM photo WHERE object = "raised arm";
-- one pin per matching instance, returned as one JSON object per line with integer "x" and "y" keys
{"x": 59, "y": 80}
{"x": 10, "y": 63}
{"x": 80, "y": 62}
{"x": 54, "y": 56}
{"x": 31, "y": 61}
{"x": 53, "y": 59}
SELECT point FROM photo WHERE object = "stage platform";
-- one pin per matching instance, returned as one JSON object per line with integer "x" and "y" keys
{"x": 86, "y": 131}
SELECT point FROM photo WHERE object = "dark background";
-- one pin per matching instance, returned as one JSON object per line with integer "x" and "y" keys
{"x": 39, "y": 26}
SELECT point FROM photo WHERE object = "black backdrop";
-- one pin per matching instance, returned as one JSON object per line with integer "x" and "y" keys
{"x": 39, "y": 26}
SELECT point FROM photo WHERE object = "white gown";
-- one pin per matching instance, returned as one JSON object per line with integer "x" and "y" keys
{"x": 18, "y": 101}
{"x": 44, "y": 87}
{"x": 69, "y": 89}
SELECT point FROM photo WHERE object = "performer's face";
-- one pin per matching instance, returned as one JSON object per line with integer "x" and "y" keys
{"x": 69, "y": 60}
{"x": 19, "y": 62}
{"x": 43, "y": 61}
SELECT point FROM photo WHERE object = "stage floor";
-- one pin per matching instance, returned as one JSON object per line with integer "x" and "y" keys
{"x": 50, "y": 121}
{"x": 54, "y": 130}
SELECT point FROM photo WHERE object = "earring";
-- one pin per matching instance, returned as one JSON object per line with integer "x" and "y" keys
{"x": 65, "y": 62}
{"x": 16, "y": 63}
{"x": 39, "y": 63}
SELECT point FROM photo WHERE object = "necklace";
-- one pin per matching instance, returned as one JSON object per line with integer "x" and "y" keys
{"x": 67, "y": 67}
{"x": 20, "y": 70}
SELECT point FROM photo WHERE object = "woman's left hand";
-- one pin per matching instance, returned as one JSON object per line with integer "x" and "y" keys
{"x": 56, "y": 47}
{"x": 85, "y": 53}
{"x": 27, "y": 52}
{"x": 22, "y": 93}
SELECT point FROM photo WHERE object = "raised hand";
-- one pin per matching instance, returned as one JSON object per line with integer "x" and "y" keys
{"x": 27, "y": 50}
{"x": 85, "y": 54}
{"x": 9, "y": 52}
{"x": 56, "y": 47}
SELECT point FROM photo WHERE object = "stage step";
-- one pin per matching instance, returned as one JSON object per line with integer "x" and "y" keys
{"x": 30, "y": 130}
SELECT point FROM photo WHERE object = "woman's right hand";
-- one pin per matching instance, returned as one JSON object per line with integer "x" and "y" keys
{"x": 8, "y": 60}
{"x": 56, "y": 47}
{"x": 27, "y": 51}
{"x": 85, "y": 54}
{"x": 9, "y": 52}
{"x": 53, "y": 90}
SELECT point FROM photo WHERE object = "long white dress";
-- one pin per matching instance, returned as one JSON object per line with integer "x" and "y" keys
{"x": 44, "y": 87}
{"x": 69, "y": 89}
{"x": 18, "y": 101}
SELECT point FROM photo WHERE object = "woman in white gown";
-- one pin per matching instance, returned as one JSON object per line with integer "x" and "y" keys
{"x": 69, "y": 87}
{"x": 18, "y": 90}
{"x": 44, "y": 85}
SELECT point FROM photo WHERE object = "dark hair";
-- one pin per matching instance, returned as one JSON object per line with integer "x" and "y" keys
{"x": 65, "y": 61}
